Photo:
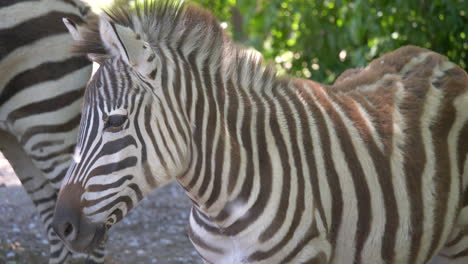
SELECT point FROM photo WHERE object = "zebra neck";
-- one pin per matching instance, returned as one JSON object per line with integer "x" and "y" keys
{"x": 241, "y": 135}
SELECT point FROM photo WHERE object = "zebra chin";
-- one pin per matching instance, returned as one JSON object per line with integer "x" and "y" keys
{"x": 87, "y": 244}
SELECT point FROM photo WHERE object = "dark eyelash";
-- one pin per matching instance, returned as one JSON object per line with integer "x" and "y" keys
{"x": 115, "y": 122}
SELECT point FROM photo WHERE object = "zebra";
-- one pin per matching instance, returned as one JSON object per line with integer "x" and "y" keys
{"x": 372, "y": 169}
{"x": 41, "y": 93}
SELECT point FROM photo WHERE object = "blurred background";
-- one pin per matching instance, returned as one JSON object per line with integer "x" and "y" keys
{"x": 319, "y": 39}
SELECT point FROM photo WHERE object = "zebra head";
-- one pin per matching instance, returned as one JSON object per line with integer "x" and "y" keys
{"x": 114, "y": 166}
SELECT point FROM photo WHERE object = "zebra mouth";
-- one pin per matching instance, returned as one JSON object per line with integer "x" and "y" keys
{"x": 88, "y": 240}
{"x": 99, "y": 238}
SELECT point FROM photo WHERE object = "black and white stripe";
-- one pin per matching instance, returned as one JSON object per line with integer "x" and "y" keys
{"x": 41, "y": 94}
{"x": 373, "y": 169}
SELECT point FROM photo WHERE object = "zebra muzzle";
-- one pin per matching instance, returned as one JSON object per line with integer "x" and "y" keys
{"x": 76, "y": 230}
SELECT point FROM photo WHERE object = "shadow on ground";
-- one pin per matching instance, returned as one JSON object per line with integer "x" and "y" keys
{"x": 153, "y": 232}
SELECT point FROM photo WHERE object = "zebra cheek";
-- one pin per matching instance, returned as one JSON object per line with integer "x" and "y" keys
{"x": 149, "y": 177}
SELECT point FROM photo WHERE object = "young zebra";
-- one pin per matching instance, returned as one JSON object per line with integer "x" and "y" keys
{"x": 280, "y": 170}
{"x": 41, "y": 94}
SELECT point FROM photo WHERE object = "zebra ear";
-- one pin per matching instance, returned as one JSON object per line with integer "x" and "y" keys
{"x": 76, "y": 33}
{"x": 124, "y": 42}
{"x": 72, "y": 28}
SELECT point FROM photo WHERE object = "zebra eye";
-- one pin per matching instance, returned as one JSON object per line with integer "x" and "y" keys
{"x": 114, "y": 122}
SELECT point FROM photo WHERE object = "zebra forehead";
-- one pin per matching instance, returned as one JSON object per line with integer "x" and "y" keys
{"x": 105, "y": 85}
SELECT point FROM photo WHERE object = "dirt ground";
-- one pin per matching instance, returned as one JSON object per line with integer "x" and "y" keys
{"x": 153, "y": 232}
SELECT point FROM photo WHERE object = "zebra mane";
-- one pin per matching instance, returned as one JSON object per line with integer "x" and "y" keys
{"x": 142, "y": 17}
{"x": 173, "y": 22}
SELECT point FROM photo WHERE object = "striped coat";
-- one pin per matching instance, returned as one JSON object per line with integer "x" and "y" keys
{"x": 41, "y": 94}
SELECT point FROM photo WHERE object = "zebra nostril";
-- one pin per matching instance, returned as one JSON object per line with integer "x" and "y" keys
{"x": 67, "y": 230}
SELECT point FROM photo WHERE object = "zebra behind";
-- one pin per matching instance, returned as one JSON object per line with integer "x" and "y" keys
{"x": 41, "y": 94}
{"x": 372, "y": 169}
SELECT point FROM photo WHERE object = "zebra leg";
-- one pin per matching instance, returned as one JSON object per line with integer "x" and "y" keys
{"x": 456, "y": 250}
{"x": 39, "y": 189}
{"x": 97, "y": 256}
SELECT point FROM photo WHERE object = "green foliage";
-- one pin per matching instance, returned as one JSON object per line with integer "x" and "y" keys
{"x": 306, "y": 37}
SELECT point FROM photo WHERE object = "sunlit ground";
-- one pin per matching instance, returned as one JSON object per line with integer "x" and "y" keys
{"x": 7, "y": 175}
